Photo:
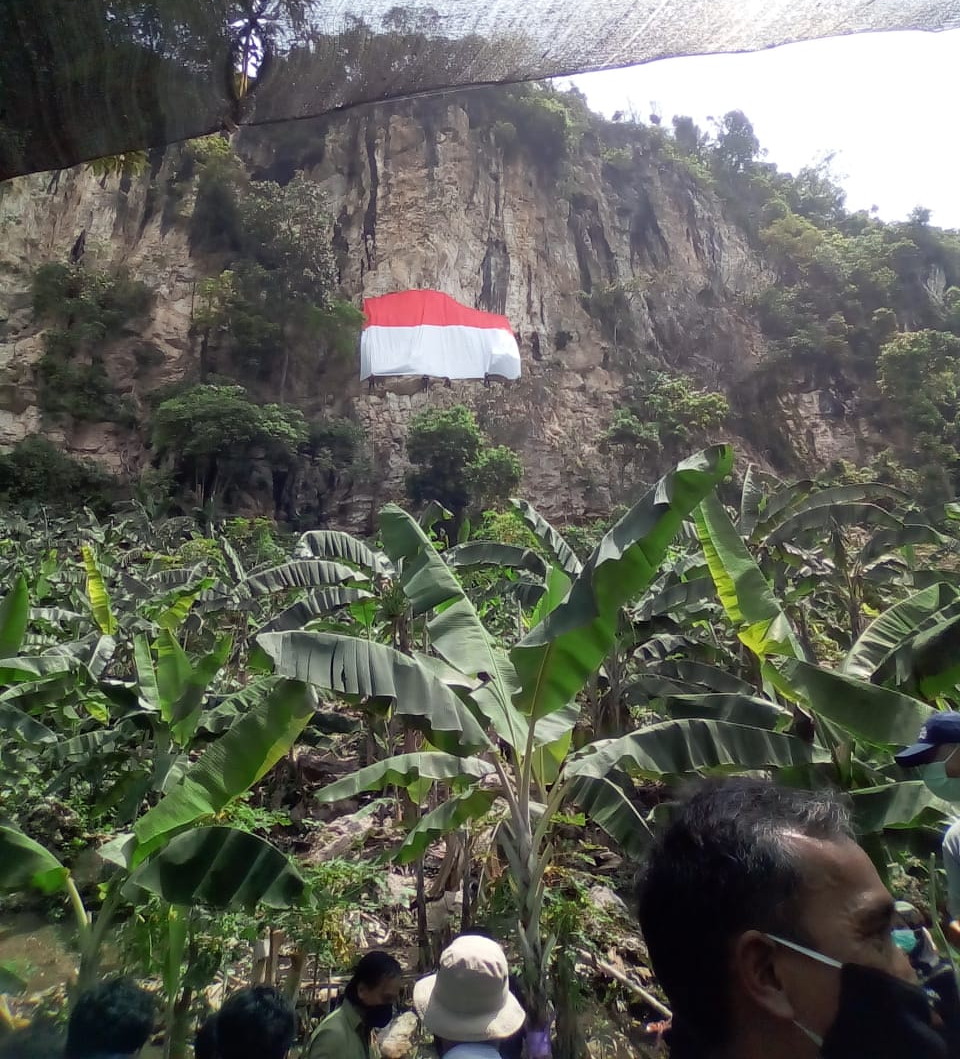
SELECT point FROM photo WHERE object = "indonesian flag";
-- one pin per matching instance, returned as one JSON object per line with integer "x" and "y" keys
{"x": 424, "y": 332}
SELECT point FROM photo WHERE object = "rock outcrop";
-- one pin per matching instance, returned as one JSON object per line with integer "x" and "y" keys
{"x": 423, "y": 198}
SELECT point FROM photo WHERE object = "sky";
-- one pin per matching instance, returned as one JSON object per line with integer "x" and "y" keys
{"x": 884, "y": 103}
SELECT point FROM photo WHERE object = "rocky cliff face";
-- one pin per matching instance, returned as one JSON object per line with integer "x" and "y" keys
{"x": 423, "y": 198}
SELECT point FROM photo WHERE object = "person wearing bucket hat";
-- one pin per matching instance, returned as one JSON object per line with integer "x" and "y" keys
{"x": 467, "y": 1005}
{"x": 936, "y": 756}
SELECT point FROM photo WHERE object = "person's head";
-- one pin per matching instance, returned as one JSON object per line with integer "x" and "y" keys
{"x": 37, "y": 1041}
{"x": 374, "y": 987}
{"x": 469, "y": 998}
{"x": 743, "y": 863}
{"x": 205, "y": 1041}
{"x": 254, "y": 1023}
{"x": 935, "y": 754}
{"x": 113, "y": 1018}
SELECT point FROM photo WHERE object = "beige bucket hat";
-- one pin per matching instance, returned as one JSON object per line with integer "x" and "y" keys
{"x": 469, "y": 997}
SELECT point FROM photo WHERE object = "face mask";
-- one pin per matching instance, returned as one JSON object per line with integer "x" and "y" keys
{"x": 939, "y": 783}
{"x": 905, "y": 939}
{"x": 376, "y": 1016}
{"x": 878, "y": 1016}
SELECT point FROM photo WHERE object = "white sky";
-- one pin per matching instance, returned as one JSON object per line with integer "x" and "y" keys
{"x": 885, "y": 103}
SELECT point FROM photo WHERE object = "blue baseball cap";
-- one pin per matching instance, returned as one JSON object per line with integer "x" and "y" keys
{"x": 941, "y": 730}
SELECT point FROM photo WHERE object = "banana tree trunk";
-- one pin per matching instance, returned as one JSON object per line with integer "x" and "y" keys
{"x": 529, "y": 853}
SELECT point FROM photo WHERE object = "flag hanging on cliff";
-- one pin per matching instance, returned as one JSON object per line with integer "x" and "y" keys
{"x": 424, "y": 332}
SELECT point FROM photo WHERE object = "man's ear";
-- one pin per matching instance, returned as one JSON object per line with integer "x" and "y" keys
{"x": 754, "y": 962}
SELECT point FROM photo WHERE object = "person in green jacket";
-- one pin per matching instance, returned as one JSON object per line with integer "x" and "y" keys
{"x": 367, "y": 1005}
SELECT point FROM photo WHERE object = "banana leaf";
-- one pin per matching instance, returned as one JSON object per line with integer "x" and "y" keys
{"x": 362, "y": 669}
{"x": 220, "y": 868}
{"x": 898, "y": 805}
{"x": 14, "y": 615}
{"x": 493, "y": 553}
{"x": 301, "y": 573}
{"x": 25, "y": 864}
{"x": 878, "y": 715}
{"x": 453, "y": 814}
{"x": 403, "y": 771}
{"x": 749, "y": 602}
{"x": 455, "y": 631}
{"x": 679, "y": 748}
{"x": 320, "y": 601}
{"x": 332, "y": 544}
{"x": 556, "y": 659}
{"x": 97, "y": 593}
{"x": 609, "y": 802}
{"x": 563, "y": 554}
{"x": 901, "y": 622}
{"x": 241, "y": 757}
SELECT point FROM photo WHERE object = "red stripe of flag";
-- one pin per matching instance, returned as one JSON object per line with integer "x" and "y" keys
{"x": 413, "y": 308}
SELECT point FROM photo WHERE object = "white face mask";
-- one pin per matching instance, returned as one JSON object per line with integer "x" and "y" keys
{"x": 938, "y": 782}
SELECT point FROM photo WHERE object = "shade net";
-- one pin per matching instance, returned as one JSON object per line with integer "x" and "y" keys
{"x": 80, "y": 79}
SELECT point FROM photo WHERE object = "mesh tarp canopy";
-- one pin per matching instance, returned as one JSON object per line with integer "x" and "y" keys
{"x": 80, "y": 79}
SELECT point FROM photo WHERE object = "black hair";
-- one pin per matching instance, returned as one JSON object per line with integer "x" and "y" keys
{"x": 205, "y": 1041}
{"x": 370, "y": 971}
{"x": 39, "y": 1040}
{"x": 255, "y": 1023}
{"x": 723, "y": 866}
{"x": 113, "y": 1018}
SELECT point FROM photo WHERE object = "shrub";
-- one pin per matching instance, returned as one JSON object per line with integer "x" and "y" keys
{"x": 453, "y": 463}
{"x": 83, "y": 391}
{"x": 338, "y": 440}
{"x": 85, "y": 309}
{"x": 209, "y": 433}
{"x": 35, "y": 471}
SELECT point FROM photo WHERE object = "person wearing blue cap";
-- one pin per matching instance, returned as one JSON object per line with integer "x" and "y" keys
{"x": 936, "y": 754}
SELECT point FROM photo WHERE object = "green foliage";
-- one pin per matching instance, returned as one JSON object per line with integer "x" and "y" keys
{"x": 507, "y": 527}
{"x": 846, "y": 285}
{"x": 612, "y": 306}
{"x": 208, "y": 432}
{"x": 274, "y": 304}
{"x": 495, "y": 474}
{"x": 93, "y": 304}
{"x": 85, "y": 311}
{"x": 665, "y": 411}
{"x": 337, "y": 441}
{"x": 339, "y": 324}
{"x": 35, "y": 471}
{"x": 453, "y": 463}
{"x": 542, "y": 122}
{"x": 129, "y": 164}
{"x": 919, "y": 372}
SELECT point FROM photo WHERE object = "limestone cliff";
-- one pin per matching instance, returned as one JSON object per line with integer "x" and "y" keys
{"x": 427, "y": 195}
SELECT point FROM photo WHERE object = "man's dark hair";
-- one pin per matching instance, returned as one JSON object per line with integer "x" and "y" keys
{"x": 205, "y": 1041}
{"x": 724, "y": 865}
{"x": 372, "y": 969}
{"x": 38, "y": 1041}
{"x": 113, "y": 1018}
{"x": 255, "y": 1023}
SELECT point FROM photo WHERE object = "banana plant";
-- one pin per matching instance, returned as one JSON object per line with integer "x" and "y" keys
{"x": 176, "y": 850}
{"x": 895, "y": 673}
{"x": 499, "y": 721}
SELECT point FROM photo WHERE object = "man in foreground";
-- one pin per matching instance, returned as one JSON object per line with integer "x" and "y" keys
{"x": 770, "y": 931}
{"x": 467, "y": 1005}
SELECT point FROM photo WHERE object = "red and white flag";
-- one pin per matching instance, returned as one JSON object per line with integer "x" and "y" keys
{"x": 424, "y": 332}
